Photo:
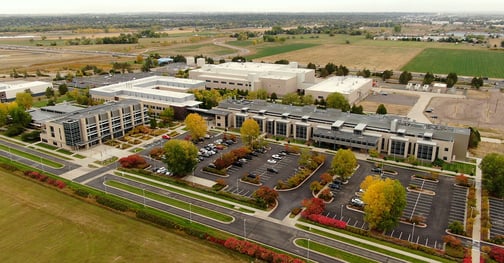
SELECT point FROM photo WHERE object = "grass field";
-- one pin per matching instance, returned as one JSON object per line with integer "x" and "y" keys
{"x": 41, "y": 225}
{"x": 279, "y": 49}
{"x": 463, "y": 62}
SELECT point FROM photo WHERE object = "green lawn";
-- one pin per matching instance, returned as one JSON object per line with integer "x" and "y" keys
{"x": 173, "y": 202}
{"x": 240, "y": 43}
{"x": 39, "y": 224}
{"x": 463, "y": 62}
{"x": 278, "y": 49}
{"x": 50, "y": 153}
{"x": 31, "y": 157}
{"x": 333, "y": 252}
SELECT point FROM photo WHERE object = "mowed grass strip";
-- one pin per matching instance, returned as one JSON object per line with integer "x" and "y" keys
{"x": 39, "y": 224}
{"x": 333, "y": 252}
{"x": 374, "y": 248}
{"x": 31, "y": 157}
{"x": 173, "y": 202}
{"x": 186, "y": 193}
{"x": 273, "y": 50}
{"x": 463, "y": 62}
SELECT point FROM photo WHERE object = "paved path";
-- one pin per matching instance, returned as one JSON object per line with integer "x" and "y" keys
{"x": 476, "y": 234}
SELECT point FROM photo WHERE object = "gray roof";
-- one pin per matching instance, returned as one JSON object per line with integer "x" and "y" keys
{"x": 374, "y": 122}
{"x": 93, "y": 110}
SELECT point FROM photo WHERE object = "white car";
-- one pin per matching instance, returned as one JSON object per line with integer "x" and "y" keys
{"x": 276, "y": 156}
{"x": 272, "y": 161}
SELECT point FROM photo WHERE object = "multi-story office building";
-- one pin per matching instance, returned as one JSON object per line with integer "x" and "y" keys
{"x": 354, "y": 89}
{"x": 156, "y": 92}
{"x": 393, "y": 135}
{"x": 278, "y": 78}
{"x": 94, "y": 125}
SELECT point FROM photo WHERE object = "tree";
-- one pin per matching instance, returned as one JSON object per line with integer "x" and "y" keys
{"x": 238, "y": 59}
{"x": 331, "y": 68}
{"x": 385, "y": 201}
{"x": 338, "y": 101}
{"x": 282, "y": 61}
{"x": 474, "y": 137}
{"x": 405, "y": 77}
{"x": 312, "y": 206}
{"x": 311, "y": 66}
{"x": 316, "y": 186}
{"x": 265, "y": 196}
{"x": 451, "y": 79}
{"x": 387, "y": 74}
{"x": 49, "y": 92}
{"x": 397, "y": 28}
{"x": 62, "y": 89}
{"x": 19, "y": 116}
{"x": 357, "y": 109}
{"x": 305, "y": 159}
{"x": 307, "y": 99}
{"x": 24, "y": 99}
{"x": 166, "y": 115}
{"x": 249, "y": 132}
{"x": 477, "y": 82}
{"x": 368, "y": 181}
{"x": 290, "y": 98}
{"x": 381, "y": 109}
{"x": 343, "y": 164}
{"x": 196, "y": 125}
{"x": 133, "y": 161}
{"x": 428, "y": 78}
{"x": 273, "y": 96}
{"x": 181, "y": 156}
{"x": 492, "y": 167}
{"x": 262, "y": 94}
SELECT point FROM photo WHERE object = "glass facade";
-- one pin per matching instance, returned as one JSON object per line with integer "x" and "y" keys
{"x": 239, "y": 121}
{"x": 425, "y": 151}
{"x": 301, "y": 132}
{"x": 281, "y": 128}
{"x": 397, "y": 147}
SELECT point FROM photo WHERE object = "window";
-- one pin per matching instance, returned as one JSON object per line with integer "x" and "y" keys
{"x": 445, "y": 158}
{"x": 397, "y": 147}
{"x": 446, "y": 149}
{"x": 425, "y": 151}
{"x": 281, "y": 128}
{"x": 270, "y": 127}
{"x": 239, "y": 121}
{"x": 260, "y": 123}
{"x": 301, "y": 132}
{"x": 218, "y": 117}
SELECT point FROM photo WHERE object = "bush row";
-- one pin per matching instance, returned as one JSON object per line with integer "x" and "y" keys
{"x": 257, "y": 251}
{"x": 144, "y": 215}
{"x": 214, "y": 170}
{"x": 328, "y": 221}
{"x": 46, "y": 179}
{"x": 103, "y": 200}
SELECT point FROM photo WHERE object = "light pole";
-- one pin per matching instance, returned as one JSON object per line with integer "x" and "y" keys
{"x": 244, "y": 229}
{"x": 308, "y": 251}
{"x": 413, "y": 232}
{"x": 190, "y": 212}
{"x": 341, "y": 211}
{"x": 104, "y": 184}
{"x": 143, "y": 191}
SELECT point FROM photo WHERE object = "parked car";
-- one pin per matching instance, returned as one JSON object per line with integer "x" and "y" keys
{"x": 357, "y": 202}
{"x": 376, "y": 170}
{"x": 271, "y": 169}
{"x": 230, "y": 142}
{"x": 271, "y": 161}
{"x": 252, "y": 175}
{"x": 211, "y": 165}
{"x": 276, "y": 156}
{"x": 254, "y": 153}
{"x": 282, "y": 153}
{"x": 166, "y": 136}
{"x": 238, "y": 163}
{"x": 334, "y": 186}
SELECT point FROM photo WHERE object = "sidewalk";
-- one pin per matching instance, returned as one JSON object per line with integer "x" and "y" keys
{"x": 476, "y": 234}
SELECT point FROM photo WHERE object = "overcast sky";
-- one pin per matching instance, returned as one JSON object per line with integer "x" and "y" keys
{"x": 133, "y": 6}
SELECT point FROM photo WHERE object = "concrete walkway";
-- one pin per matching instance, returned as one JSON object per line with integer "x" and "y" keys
{"x": 476, "y": 234}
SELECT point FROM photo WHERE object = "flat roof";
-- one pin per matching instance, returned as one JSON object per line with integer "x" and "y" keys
{"x": 22, "y": 84}
{"x": 343, "y": 85}
{"x": 253, "y": 67}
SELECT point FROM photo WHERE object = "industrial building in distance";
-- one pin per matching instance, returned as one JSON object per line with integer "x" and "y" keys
{"x": 8, "y": 90}
{"x": 392, "y": 135}
{"x": 354, "y": 89}
{"x": 156, "y": 93}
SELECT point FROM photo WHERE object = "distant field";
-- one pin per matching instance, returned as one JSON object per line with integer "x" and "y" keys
{"x": 463, "y": 62}
{"x": 273, "y": 50}
{"x": 41, "y": 225}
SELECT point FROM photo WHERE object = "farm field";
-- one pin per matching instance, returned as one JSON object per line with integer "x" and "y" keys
{"x": 463, "y": 62}
{"x": 41, "y": 225}
{"x": 279, "y": 49}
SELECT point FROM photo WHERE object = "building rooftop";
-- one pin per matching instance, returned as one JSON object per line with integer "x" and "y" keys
{"x": 375, "y": 122}
{"x": 343, "y": 85}
{"x": 22, "y": 85}
{"x": 252, "y": 68}
{"x": 90, "y": 111}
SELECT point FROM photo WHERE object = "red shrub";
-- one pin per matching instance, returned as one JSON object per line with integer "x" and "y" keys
{"x": 133, "y": 161}
{"x": 328, "y": 221}
{"x": 313, "y": 206}
{"x": 60, "y": 184}
{"x": 497, "y": 254}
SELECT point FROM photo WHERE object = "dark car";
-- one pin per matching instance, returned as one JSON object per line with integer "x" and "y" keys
{"x": 271, "y": 169}
{"x": 254, "y": 153}
{"x": 248, "y": 157}
{"x": 238, "y": 163}
{"x": 334, "y": 186}
{"x": 252, "y": 175}
{"x": 376, "y": 170}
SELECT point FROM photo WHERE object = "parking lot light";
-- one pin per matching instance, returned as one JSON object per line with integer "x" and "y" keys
{"x": 341, "y": 212}
{"x": 413, "y": 232}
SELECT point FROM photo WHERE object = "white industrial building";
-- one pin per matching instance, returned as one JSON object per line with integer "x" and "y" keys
{"x": 155, "y": 92}
{"x": 354, "y": 89}
{"x": 8, "y": 90}
{"x": 278, "y": 78}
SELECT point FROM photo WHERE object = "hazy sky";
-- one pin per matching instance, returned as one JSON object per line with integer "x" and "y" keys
{"x": 115, "y": 6}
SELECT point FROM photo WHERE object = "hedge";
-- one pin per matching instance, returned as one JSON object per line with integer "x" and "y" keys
{"x": 103, "y": 200}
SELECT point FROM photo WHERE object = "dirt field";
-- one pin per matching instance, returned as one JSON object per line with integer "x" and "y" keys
{"x": 481, "y": 109}
{"x": 399, "y": 104}
{"x": 358, "y": 57}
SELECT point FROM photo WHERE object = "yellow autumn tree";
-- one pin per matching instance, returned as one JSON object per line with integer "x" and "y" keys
{"x": 369, "y": 180}
{"x": 384, "y": 202}
{"x": 343, "y": 164}
{"x": 24, "y": 99}
{"x": 249, "y": 131}
{"x": 196, "y": 126}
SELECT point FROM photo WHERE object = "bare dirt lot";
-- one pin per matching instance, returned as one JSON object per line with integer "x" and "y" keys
{"x": 399, "y": 104}
{"x": 353, "y": 56}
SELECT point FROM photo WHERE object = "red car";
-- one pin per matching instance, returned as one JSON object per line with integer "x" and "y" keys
{"x": 166, "y": 136}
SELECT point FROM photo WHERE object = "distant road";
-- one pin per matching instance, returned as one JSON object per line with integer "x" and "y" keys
{"x": 64, "y": 51}
{"x": 222, "y": 43}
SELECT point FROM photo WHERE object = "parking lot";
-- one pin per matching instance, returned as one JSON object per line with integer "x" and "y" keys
{"x": 458, "y": 207}
{"x": 496, "y": 212}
